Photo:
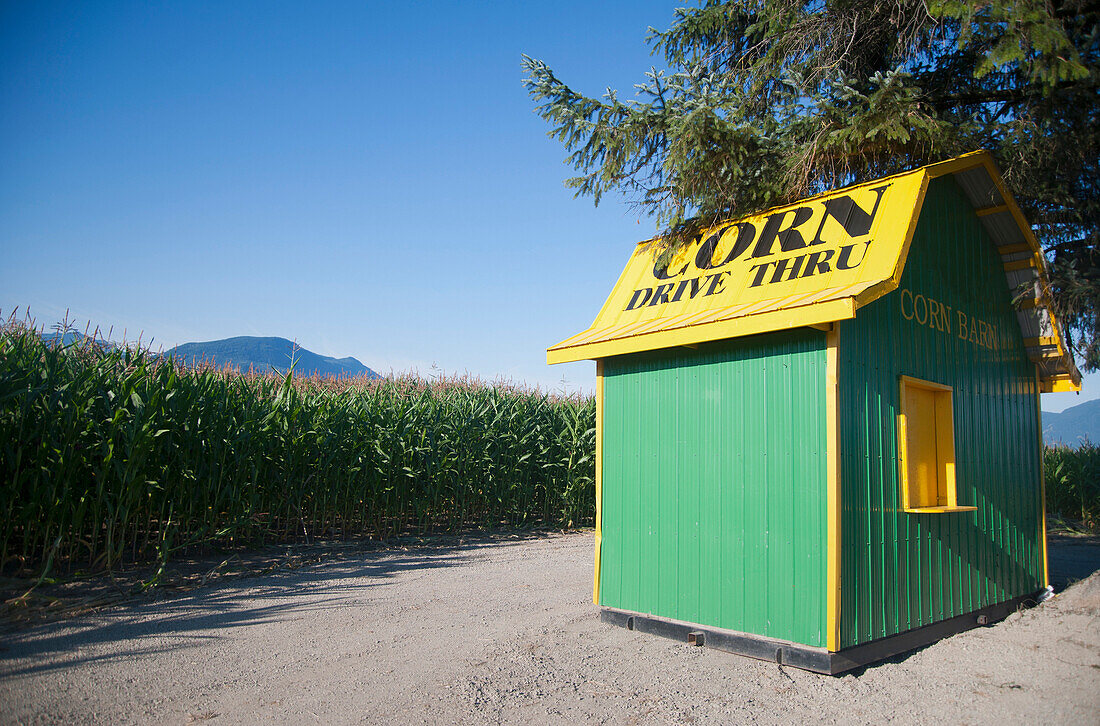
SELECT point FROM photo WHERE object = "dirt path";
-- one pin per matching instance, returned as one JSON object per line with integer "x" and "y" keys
{"x": 503, "y": 632}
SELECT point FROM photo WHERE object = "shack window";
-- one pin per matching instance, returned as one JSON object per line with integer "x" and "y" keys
{"x": 926, "y": 445}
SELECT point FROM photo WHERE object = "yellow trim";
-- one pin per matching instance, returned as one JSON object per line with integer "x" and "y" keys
{"x": 1020, "y": 264}
{"x": 1042, "y": 479}
{"x": 1032, "y": 342}
{"x": 1010, "y": 202}
{"x": 891, "y": 283}
{"x": 911, "y": 230}
{"x": 832, "y": 428}
{"x": 942, "y": 450}
{"x": 626, "y": 323}
{"x": 921, "y": 383}
{"x": 966, "y": 161}
{"x": 984, "y": 159}
{"x": 1060, "y": 384}
{"x": 805, "y": 315}
{"x": 599, "y": 480}
{"x": 716, "y": 280}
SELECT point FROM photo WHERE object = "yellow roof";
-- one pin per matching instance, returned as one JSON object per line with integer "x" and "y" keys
{"x": 730, "y": 283}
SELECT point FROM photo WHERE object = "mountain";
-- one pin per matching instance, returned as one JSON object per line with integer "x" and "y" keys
{"x": 263, "y": 354}
{"x": 72, "y": 337}
{"x": 1073, "y": 425}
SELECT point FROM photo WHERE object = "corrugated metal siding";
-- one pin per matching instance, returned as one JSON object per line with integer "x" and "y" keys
{"x": 901, "y": 571}
{"x": 714, "y": 485}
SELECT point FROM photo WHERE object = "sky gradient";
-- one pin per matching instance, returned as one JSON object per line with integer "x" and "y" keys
{"x": 368, "y": 179}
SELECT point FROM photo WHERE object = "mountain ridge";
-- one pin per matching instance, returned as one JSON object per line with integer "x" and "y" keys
{"x": 1074, "y": 425}
{"x": 263, "y": 354}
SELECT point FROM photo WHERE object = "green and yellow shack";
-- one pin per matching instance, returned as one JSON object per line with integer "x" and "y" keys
{"x": 818, "y": 428}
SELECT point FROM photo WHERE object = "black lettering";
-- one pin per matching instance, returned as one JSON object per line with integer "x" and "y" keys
{"x": 789, "y": 238}
{"x": 778, "y": 270}
{"x": 781, "y": 267}
{"x": 660, "y": 271}
{"x": 817, "y": 263}
{"x": 796, "y": 267}
{"x": 851, "y": 216}
{"x": 761, "y": 270}
{"x": 842, "y": 260}
{"x": 639, "y": 298}
{"x": 745, "y": 234}
{"x": 704, "y": 259}
{"x": 660, "y": 294}
{"x": 695, "y": 284}
{"x": 715, "y": 283}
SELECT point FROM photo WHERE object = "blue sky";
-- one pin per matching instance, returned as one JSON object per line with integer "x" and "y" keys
{"x": 366, "y": 178}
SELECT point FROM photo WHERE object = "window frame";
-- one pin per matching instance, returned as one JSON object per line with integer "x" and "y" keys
{"x": 947, "y": 485}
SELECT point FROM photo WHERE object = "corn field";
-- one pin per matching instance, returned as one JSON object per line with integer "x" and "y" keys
{"x": 1073, "y": 483}
{"x": 115, "y": 455}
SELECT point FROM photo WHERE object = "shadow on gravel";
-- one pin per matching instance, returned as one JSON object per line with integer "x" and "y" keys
{"x": 1071, "y": 558}
{"x": 144, "y": 626}
{"x": 174, "y": 620}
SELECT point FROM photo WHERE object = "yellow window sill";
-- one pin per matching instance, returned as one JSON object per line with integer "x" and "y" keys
{"x": 938, "y": 510}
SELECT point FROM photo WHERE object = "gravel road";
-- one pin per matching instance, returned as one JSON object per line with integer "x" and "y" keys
{"x": 502, "y": 631}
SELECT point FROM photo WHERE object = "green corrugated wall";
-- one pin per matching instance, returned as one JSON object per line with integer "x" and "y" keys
{"x": 900, "y": 571}
{"x": 714, "y": 485}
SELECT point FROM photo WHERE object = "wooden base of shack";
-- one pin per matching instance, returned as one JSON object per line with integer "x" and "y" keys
{"x": 818, "y": 660}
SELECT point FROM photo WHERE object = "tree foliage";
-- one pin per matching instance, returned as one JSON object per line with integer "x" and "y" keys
{"x": 765, "y": 102}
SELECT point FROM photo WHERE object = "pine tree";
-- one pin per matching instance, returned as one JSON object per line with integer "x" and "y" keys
{"x": 765, "y": 102}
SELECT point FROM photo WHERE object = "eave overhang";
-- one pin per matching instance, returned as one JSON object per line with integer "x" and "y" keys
{"x": 728, "y": 284}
